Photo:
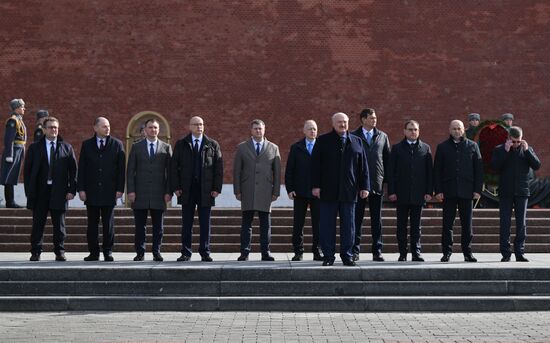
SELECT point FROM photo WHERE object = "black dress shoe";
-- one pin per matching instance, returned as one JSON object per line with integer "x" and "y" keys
{"x": 378, "y": 258}
{"x": 446, "y": 257}
{"x": 35, "y": 257}
{"x": 243, "y": 257}
{"x": 267, "y": 257}
{"x": 521, "y": 258}
{"x": 157, "y": 257}
{"x": 402, "y": 258}
{"x": 328, "y": 261}
{"x": 60, "y": 257}
{"x": 469, "y": 258}
{"x": 183, "y": 258}
{"x": 91, "y": 258}
{"x": 139, "y": 257}
{"x": 108, "y": 257}
{"x": 206, "y": 258}
{"x": 317, "y": 256}
{"x": 417, "y": 258}
{"x": 298, "y": 257}
{"x": 505, "y": 259}
{"x": 355, "y": 256}
{"x": 13, "y": 205}
{"x": 349, "y": 263}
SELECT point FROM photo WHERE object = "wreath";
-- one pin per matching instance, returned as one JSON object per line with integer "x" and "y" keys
{"x": 488, "y": 135}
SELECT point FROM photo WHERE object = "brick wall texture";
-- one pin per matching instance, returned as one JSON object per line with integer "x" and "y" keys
{"x": 282, "y": 61}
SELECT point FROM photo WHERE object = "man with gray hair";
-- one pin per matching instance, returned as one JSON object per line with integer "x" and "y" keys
{"x": 15, "y": 138}
{"x": 340, "y": 175}
{"x": 513, "y": 160}
{"x": 256, "y": 184}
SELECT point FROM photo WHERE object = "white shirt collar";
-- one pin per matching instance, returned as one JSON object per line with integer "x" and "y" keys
{"x": 193, "y": 138}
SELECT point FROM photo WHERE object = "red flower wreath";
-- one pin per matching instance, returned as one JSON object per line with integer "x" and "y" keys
{"x": 489, "y": 134}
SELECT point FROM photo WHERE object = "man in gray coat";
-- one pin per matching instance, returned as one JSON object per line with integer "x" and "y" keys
{"x": 256, "y": 183}
{"x": 148, "y": 187}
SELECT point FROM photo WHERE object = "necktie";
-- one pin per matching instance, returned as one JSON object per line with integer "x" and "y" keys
{"x": 257, "y": 148}
{"x": 151, "y": 150}
{"x": 50, "y": 162}
{"x": 369, "y": 137}
{"x": 101, "y": 146}
{"x": 343, "y": 143}
{"x": 309, "y": 147}
{"x": 196, "y": 146}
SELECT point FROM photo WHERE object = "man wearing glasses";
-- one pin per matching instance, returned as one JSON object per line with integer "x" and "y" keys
{"x": 513, "y": 161}
{"x": 50, "y": 182}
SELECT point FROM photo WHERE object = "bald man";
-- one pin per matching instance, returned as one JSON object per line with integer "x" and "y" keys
{"x": 298, "y": 186}
{"x": 196, "y": 177}
{"x": 340, "y": 176}
{"x": 101, "y": 178}
{"x": 458, "y": 178}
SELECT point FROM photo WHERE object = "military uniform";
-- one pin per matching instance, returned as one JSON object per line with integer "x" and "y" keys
{"x": 15, "y": 138}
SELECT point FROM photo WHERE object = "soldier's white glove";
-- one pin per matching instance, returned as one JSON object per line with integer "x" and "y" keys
{"x": 9, "y": 159}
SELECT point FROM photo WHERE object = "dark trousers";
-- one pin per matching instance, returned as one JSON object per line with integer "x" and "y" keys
{"x": 140, "y": 218}
{"x": 327, "y": 228}
{"x": 9, "y": 194}
{"x": 107, "y": 223}
{"x": 300, "y": 209}
{"x": 449, "y": 214}
{"x": 39, "y": 217}
{"x": 375, "y": 210}
{"x": 187, "y": 219}
{"x": 246, "y": 231}
{"x": 520, "y": 206}
{"x": 403, "y": 212}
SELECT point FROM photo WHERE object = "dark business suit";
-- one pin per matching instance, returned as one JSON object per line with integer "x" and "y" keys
{"x": 340, "y": 170}
{"x": 197, "y": 174}
{"x": 298, "y": 180}
{"x": 513, "y": 191}
{"x": 458, "y": 173}
{"x": 148, "y": 177}
{"x": 410, "y": 178}
{"x": 43, "y": 197}
{"x": 378, "y": 154}
{"x": 101, "y": 174}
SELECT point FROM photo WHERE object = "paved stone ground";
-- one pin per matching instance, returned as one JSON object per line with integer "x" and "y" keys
{"x": 169, "y": 327}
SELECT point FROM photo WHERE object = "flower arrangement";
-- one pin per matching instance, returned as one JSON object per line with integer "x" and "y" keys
{"x": 489, "y": 134}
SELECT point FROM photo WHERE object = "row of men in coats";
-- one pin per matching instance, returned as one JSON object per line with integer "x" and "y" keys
{"x": 341, "y": 172}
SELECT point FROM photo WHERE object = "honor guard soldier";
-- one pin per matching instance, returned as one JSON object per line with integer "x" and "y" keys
{"x": 15, "y": 139}
{"x": 39, "y": 131}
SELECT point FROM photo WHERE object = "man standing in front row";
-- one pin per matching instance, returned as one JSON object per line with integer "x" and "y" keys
{"x": 339, "y": 175}
{"x": 513, "y": 161}
{"x": 256, "y": 183}
{"x": 101, "y": 177}
{"x": 377, "y": 148}
{"x": 50, "y": 182}
{"x": 15, "y": 138}
{"x": 458, "y": 178}
{"x": 149, "y": 187}
{"x": 196, "y": 179}
{"x": 410, "y": 185}
{"x": 298, "y": 186}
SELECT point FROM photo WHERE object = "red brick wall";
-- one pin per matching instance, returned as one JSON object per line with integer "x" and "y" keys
{"x": 281, "y": 61}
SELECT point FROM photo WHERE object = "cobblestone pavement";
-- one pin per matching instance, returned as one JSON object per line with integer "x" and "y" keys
{"x": 170, "y": 327}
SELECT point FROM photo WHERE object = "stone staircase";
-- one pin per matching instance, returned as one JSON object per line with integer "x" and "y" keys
{"x": 15, "y": 228}
{"x": 273, "y": 286}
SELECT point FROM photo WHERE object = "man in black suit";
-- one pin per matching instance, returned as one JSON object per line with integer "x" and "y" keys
{"x": 298, "y": 187}
{"x": 458, "y": 178}
{"x": 196, "y": 179}
{"x": 50, "y": 182}
{"x": 339, "y": 174}
{"x": 101, "y": 177}
{"x": 513, "y": 161}
{"x": 377, "y": 148}
{"x": 410, "y": 186}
